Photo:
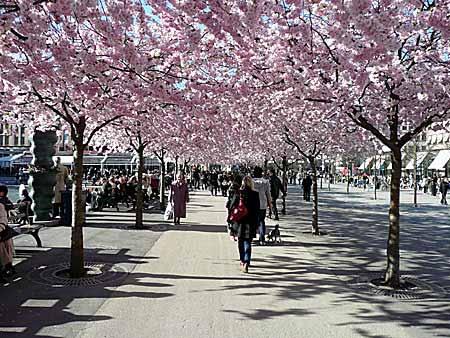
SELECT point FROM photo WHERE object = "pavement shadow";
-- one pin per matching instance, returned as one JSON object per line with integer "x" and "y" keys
{"x": 32, "y": 308}
{"x": 356, "y": 246}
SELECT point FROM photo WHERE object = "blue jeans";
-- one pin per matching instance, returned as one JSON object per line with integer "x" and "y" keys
{"x": 245, "y": 250}
{"x": 262, "y": 225}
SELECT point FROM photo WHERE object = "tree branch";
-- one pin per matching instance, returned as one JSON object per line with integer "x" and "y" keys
{"x": 99, "y": 127}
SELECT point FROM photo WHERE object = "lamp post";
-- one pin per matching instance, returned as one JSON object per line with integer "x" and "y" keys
{"x": 375, "y": 179}
{"x": 329, "y": 175}
{"x": 415, "y": 171}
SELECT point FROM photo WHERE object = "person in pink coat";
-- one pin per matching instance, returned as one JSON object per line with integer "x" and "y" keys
{"x": 179, "y": 197}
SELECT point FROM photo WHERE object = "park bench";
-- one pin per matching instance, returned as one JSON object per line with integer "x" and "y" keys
{"x": 29, "y": 229}
{"x": 16, "y": 220}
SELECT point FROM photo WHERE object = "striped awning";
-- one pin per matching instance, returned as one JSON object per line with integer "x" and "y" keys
{"x": 366, "y": 163}
{"x": 440, "y": 161}
{"x": 420, "y": 158}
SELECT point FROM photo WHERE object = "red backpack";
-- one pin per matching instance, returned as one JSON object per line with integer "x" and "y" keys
{"x": 239, "y": 212}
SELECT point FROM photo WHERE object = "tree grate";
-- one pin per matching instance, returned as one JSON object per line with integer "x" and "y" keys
{"x": 412, "y": 288}
{"x": 97, "y": 273}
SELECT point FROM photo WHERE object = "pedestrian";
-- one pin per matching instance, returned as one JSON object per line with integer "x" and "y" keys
{"x": 179, "y": 197}
{"x": 262, "y": 186}
{"x": 434, "y": 185}
{"x": 154, "y": 185}
{"x": 214, "y": 183}
{"x": 245, "y": 228}
{"x": 443, "y": 189}
{"x": 233, "y": 191}
{"x": 275, "y": 187}
{"x": 306, "y": 184}
{"x": 6, "y": 247}
{"x": 225, "y": 185}
{"x": 62, "y": 174}
{"x": 204, "y": 180}
{"x": 196, "y": 177}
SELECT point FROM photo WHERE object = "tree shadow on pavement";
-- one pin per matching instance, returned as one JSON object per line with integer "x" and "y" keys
{"x": 32, "y": 308}
{"x": 356, "y": 247}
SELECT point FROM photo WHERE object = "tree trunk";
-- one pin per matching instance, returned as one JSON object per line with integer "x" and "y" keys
{"x": 176, "y": 167}
{"x": 392, "y": 273}
{"x": 139, "y": 191}
{"x": 162, "y": 186}
{"x": 266, "y": 167}
{"x": 315, "y": 196}
{"x": 78, "y": 213}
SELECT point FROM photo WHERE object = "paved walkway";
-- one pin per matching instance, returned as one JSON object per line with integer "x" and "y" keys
{"x": 198, "y": 291}
{"x": 188, "y": 282}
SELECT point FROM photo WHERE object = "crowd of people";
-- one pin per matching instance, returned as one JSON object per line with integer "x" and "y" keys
{"x": 115, "y": 187}
{"x": 251, "y": 197}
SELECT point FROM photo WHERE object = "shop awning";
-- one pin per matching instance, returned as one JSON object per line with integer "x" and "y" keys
{"x": 65, "y": 159}
{"x": 93, "y": 160}
{"x": 366, "y": 164}
{"x": 5, "y": 161}
{"x": 420, "y": 158}
{"x": 17, "y": 156}
{"x": 440, "y": 161}
{"x": 389, "y": 167}
{"x": 113, "y": 160}
{"x": 21, "y": 159}
{"x": 379, "y": 162}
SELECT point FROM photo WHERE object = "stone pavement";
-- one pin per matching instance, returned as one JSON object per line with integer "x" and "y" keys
{"x": 187, "y": 282}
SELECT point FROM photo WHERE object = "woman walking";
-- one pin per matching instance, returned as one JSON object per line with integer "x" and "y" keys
{"x": 179, "y": 197}
{"x": 6, "y": 247}
{"x": 246, "y": 226}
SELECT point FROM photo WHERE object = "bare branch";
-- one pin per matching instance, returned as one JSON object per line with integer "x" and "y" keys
{"x": 99, "y": 127}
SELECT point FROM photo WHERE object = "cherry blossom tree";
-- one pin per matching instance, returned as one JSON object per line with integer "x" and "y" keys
{"x": 86, "y": 64}
{"x": 382, "y": 64}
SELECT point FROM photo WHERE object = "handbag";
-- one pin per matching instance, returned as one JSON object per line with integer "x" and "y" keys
{"x": 168, "y": 214}
{"x": 239, "y": 212}
{"x": 7, "y": 233}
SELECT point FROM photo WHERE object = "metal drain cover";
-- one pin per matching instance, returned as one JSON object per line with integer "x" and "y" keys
{"x": 418, "y": 289}
{"x": 96, "y": 273}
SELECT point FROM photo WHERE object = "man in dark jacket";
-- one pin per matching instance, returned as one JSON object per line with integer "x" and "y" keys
{"x": 307, "y": 183}
{"x": 275, "y": 187}
{"x": 443, "y": 189}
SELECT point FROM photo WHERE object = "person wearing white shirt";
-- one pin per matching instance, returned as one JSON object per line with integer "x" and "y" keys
{"x": 262, "y": 186}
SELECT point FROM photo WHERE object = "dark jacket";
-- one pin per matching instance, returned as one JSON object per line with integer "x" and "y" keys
{"x": 307, "y": 183}
{"x": 275, "y": 187}
{"x": 249, "y": 224}
{"x": 444, "y": 187}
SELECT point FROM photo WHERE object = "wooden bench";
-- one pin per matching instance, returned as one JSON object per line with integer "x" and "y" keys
{"x": 28, "y": 229}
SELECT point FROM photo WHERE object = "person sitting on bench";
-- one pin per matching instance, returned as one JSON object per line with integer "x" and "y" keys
{"x": 24, "y": 207}
{"x": 6, "y": 247}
